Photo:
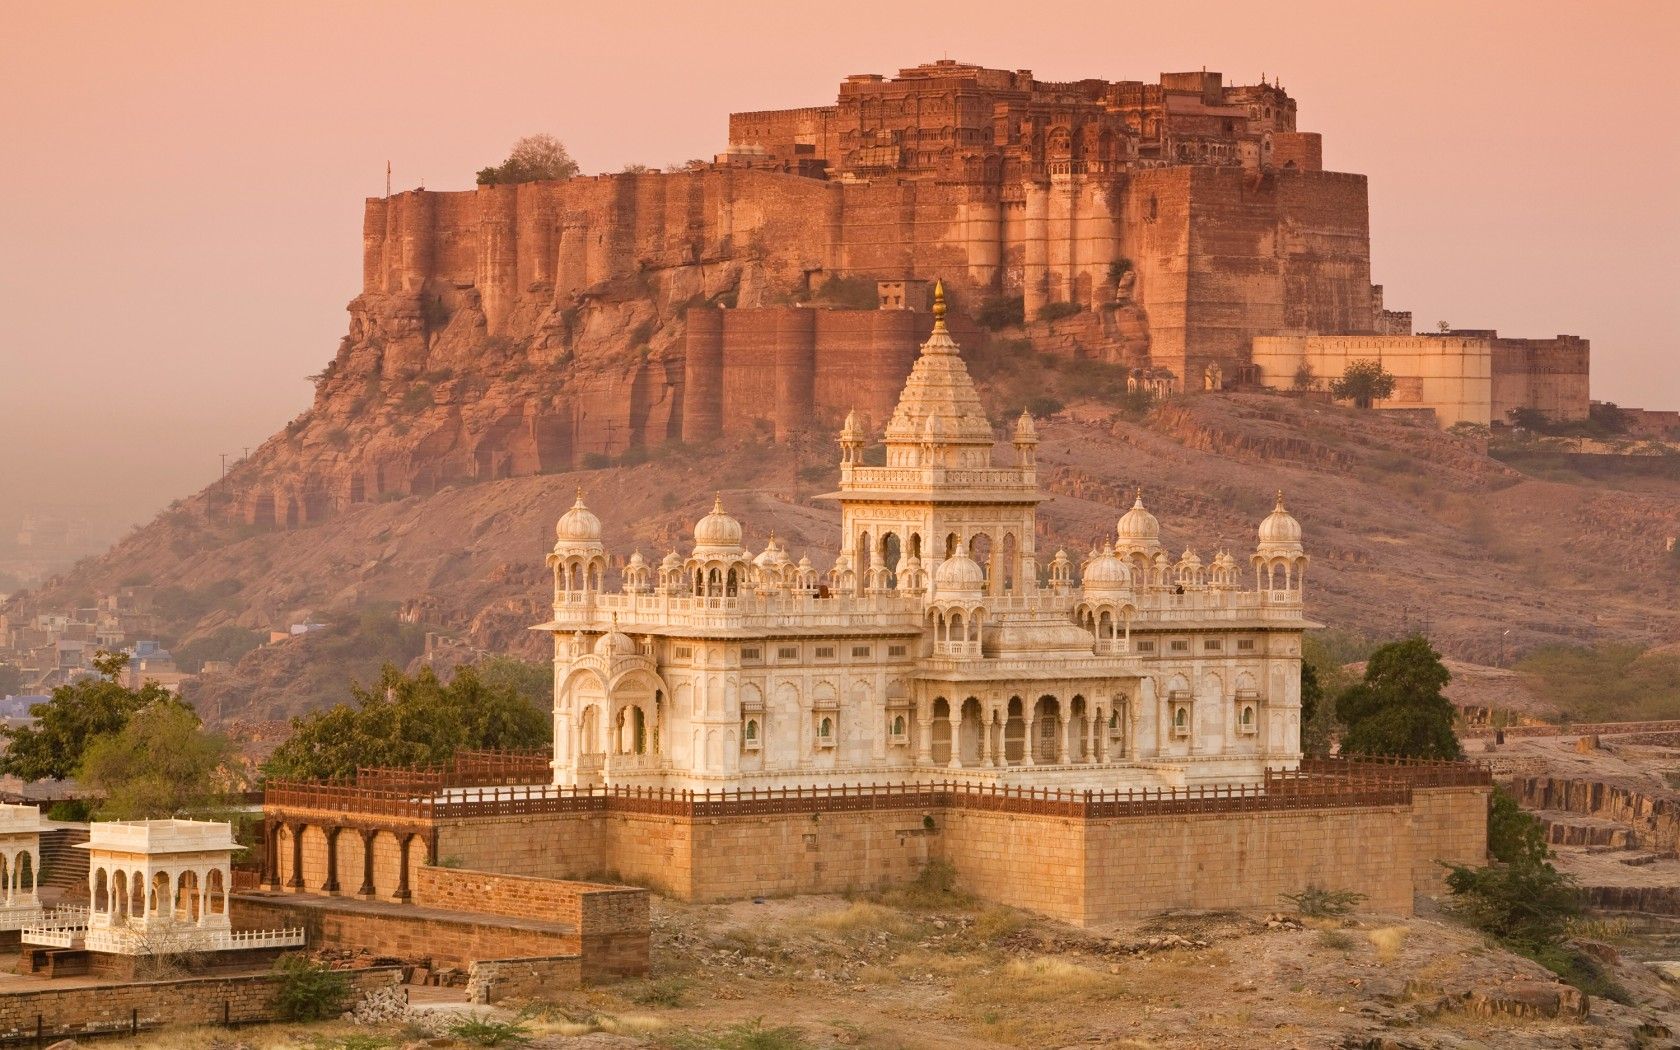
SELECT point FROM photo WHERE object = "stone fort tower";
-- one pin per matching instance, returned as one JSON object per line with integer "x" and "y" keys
{"x": 1199, "y": 201}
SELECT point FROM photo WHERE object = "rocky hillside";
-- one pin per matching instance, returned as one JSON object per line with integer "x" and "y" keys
{"x": 1408, "y": 529}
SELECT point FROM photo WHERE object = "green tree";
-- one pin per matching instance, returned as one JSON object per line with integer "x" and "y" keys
{"x": 418, "y": 721}
{"x": 161, "y": 764}
{"x": 1399, "y": 709}
{"x": 1513, "y": 836}
{"x": 534, "y": 158}
{"x": 52, "y": 747}
{"x": 1362, "y": 382}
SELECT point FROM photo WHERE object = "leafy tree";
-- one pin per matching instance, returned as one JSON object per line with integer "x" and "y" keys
{"x": 417, "y": 721}
{"x": 162, "y": 763}
{"x": 1530, "y": 419}
{"x": 1304, "y": 377}
{"x": 54, "y": 745}
{"x": 534, "y": 158}
{"x": 1513, "y": 836}
{"x": 1398, "y": 709}
{"x": 1525, "y": 905}
{"x": 1362, "y": 382}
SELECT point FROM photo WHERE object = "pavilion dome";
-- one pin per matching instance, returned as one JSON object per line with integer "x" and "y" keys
{"x": 578, "y": 525}
{"x": 1280, "y": 529}
{"x": 615, "y": 643}
{"x": 718, "y": 529}
{"x": 1137, "y": 527}
{"x": 960, "y": 575}
{"x": 1106, "y": 573}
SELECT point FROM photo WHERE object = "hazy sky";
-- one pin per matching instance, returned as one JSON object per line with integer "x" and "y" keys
{"x": 181, "y": 184}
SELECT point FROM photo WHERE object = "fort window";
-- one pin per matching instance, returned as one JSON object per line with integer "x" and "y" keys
{"x": 749, "y": 736}
{"x": 751, "y": 654}
{"x": 1181, "y": 720}
{"x": 1145, "y": 647}
{"x": 825, "y": 652}
{"x": 898, "y": 729}
{"x": 860, "y": 652}
{"x": 1180, "y": 645}
{"x": 1212, "y": 645}
{"x": 825, "y": 732}
{"x": 897, "y": 650}
{"x": 787, "y": 652}
{"x": 682, "y": 652}
{"x": 1247, "y": 725}
{"x": 1245, "y": 645}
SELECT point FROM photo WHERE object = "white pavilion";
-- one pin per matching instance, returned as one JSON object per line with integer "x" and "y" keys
{"x": 937, "y": 644}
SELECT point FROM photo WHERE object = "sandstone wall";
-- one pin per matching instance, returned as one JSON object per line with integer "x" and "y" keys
{"x": 447, "y": 940}
{"x": 68, "y": 1012}
{"x": 612, "y": 922}
{"x": 1448, "y": 824}
{"x": 1451, "y": 375}
{"x": 1550, "y": 375}
{"x": 1135, "y": 866}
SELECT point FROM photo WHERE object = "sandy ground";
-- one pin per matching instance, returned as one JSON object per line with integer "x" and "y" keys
{"x": 946, "y": 974}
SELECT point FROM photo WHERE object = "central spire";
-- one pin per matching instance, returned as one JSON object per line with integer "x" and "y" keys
{"x": 939, "y": 388}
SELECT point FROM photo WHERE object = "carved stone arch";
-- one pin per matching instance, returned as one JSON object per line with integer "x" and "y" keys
{"x": 752, "y": 697}
{"x": 1246, "y": 682}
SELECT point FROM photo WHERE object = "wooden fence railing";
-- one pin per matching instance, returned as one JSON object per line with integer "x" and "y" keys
{"x": 1339, "y": 785}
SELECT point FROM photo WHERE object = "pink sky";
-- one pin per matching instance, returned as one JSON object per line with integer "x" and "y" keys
{"x": 183, "y": 182}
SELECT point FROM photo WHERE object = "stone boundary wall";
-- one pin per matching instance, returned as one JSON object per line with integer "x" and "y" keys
{"x": 498, "y": 980}
{"x": 65, "y": 1012}
{"x": 1135, "y": 867}
{"x": 1448, "y": 824}
{"x": 406, "y": 934}
{"x": 1577, "y": 729}
{"x": 707, "y": 848}
{"x": 612, "y": 922}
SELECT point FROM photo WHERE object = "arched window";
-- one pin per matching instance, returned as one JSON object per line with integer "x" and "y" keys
{"x": 1182, "y": 718}
{"x": 898, "y": 726}
{"x": 825, "y": 728}
{"x": 752, "y": 730}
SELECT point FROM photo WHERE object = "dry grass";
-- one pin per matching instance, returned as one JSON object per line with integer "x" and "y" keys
{"x": 861, "y": 918}
{"x": 1336, "y": 940}
{"x": 994, "y": 924}
{"x": 1041, "y": 980}
{"x": 1388, "y": 940}
{"x": 625, "y": 1025}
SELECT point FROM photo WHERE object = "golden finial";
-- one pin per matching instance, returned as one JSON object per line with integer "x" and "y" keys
{"x": 939, "y": 305}
{"x": 1279, "y": 499}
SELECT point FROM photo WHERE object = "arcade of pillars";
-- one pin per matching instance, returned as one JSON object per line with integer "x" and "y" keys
{"x": 370, "y": 863}
{"x": 130, "y": 896}
{"x": 996, "y": 733}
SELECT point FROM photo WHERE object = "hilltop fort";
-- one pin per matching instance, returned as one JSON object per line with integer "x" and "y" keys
{"x": 1160, "y": 227}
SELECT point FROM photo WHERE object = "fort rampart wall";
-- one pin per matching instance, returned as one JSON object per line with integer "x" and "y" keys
{"x": 1221, "y": 253}
{"x": 92, "y": 1008}
{"x": 1084, "y": 859}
